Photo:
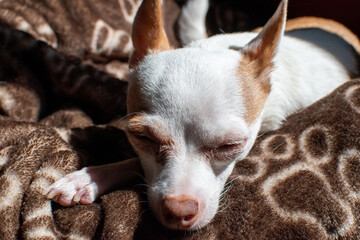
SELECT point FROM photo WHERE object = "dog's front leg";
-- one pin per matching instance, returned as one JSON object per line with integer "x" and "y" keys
{"x": 85, "y": 185}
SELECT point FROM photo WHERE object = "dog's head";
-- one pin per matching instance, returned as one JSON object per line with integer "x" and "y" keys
{"x": 193, "y": 113}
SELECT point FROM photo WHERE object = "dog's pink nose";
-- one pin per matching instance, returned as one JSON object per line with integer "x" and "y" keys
{"x": 180, "y": 211}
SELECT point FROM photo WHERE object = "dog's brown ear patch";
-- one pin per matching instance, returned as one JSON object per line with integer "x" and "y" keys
{"x": 257, "y": 63}
{"x": 148, "y": 34}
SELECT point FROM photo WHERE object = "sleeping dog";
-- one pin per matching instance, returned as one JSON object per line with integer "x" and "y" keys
{"x": 194, "y": 112}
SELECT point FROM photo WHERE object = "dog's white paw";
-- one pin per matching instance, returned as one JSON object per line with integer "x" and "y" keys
{"x": 76, "y": 187}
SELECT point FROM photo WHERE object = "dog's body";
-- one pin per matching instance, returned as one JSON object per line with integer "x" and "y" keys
{"x": 303, "y": 71}
{"x": 195, "y": 111}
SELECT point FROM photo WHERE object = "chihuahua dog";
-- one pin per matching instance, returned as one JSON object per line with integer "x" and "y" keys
{"x": 194, "y": 112}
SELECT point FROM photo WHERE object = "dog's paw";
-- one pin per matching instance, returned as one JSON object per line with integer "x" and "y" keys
{"x": 76, "y": 187}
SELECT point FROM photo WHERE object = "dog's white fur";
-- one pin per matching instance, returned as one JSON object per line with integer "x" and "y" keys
{"x": 303, "y": 72}
{"x": 203, "y": 107}
{"x": 193, "y": 97}
{"x": 192, "y": 21}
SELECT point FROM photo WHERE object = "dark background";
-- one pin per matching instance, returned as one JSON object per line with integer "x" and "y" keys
{"x": 244, "y": 15}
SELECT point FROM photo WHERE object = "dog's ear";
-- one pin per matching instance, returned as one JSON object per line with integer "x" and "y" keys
{"x": 257, "y": 60}
{"x": 148, "y": 34}
{"x": 262, "y": 49}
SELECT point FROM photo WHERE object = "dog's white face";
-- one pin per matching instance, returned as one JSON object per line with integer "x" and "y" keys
{"x": 191, "y": 116}
{"x": 190, "y": 128}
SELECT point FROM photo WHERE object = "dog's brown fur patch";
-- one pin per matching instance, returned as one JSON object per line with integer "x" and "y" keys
{"x": 148, "y": 33}
{"x": 257, "y": 62}
{"x": 148, "y": 138}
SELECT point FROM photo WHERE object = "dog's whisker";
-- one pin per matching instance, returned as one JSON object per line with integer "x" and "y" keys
{"x": 142, "y": 185}
{"x": 223, "y": 209}
{"x": 222, "y": 198}
{"x": 128, "y": 115}
{"x": 226, "y": 190}
{"x": 279, "y": 145}
{"x": 226, "y": 184}
{"x": 260, "y": 135}
{"x": 197, "y": 230}
{"x": 232, "y": 180}
{"x": 143, "y": 212}
{"x": 212, "y": 220}
{"x": 222, "y": 204}
{"x": 225, "y": 206}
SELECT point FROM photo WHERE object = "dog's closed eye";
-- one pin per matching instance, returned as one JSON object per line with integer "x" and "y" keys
{"x": 143, "y": 142}
{"x": 146, "y": 137}
{"x": 141, "y": 137}
{"x": 229, "y": 147}
{"x": 226, "y": 150}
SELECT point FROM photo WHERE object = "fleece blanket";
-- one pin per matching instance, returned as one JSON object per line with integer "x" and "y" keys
{"x": 62, "y": 89}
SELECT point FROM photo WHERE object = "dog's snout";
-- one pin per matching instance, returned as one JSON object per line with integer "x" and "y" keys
{"x": 180, "y": 212}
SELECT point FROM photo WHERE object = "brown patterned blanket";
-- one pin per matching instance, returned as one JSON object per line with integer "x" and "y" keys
{"x": 299, "y": 182}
